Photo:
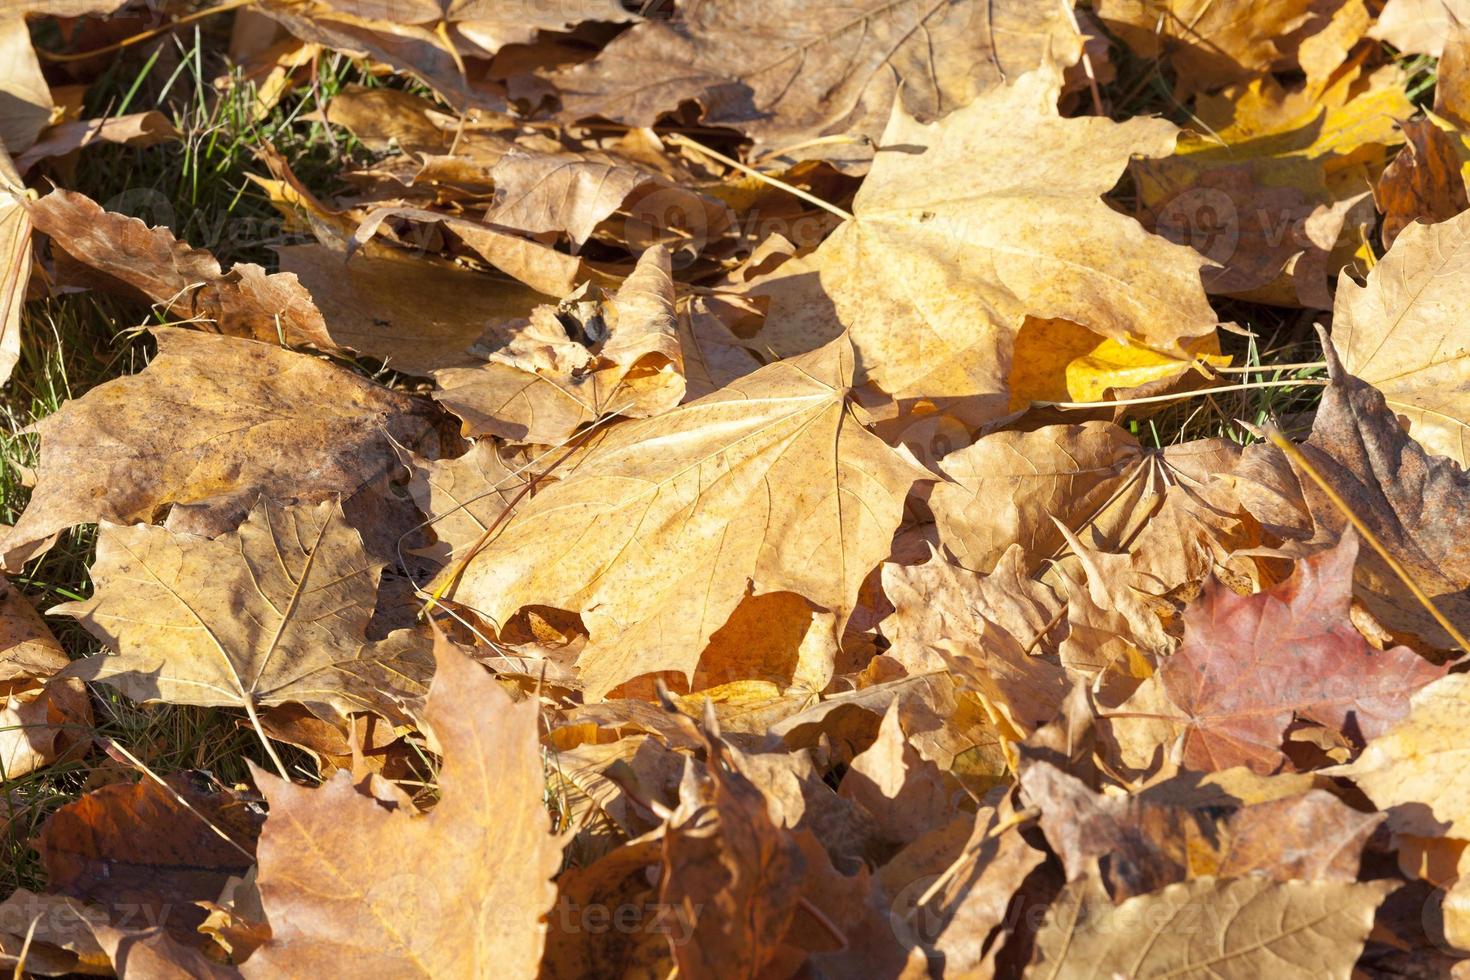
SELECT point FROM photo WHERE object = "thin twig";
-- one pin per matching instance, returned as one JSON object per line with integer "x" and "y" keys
{"x": 142, "y": 767}
{"x": 139, "y": 38}
{"x": 1179, "y": 395}
{"x": 680, "y": 140}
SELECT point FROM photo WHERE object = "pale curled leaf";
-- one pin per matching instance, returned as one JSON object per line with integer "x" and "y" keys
{"x": 275, "y": 612}
{"x": 545, "y": 376}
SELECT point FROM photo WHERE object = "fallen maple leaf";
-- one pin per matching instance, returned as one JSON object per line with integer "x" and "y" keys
{"x": 114, "y": 249}
{"x": 459, "y": 891}
{"x": 1249, "y": 664}
{"x": 952, "y": 246}
{"x": 274, "y": 612}
{"x": 669, "y": 521}
{"x": 212, "y": 422}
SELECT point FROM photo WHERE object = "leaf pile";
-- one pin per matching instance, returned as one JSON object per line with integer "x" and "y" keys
{"x": 686, "y": 508}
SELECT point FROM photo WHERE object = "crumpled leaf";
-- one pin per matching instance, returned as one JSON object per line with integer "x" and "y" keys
{"x": 575, "y": 192}
{"x": 942, "y": 613}
{"x": 730, "y": 874}
{"x": 1249, "y": 664}
{"x": 41, "y": 716}
{"x": 1142, "y": 842}
{"x": 771, "y": 483}
{"x": 1211, "y": 927}
{"x": 1404, "y": 333}
{"x": 475, "y": 872}
{"x": 545, "y": 376}
{"x": 1423, "y": 183}
{"x": 274, "y": 612}
{"x": 786, "y": 77}
{"x": 952, "y": 246}
{"x": 187, "y": 282}
{"x": 1272, "y": 178}
{"x": 212, "y": 422}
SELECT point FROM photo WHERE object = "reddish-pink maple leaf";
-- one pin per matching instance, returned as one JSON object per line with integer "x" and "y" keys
{"x": 1249, "y": 664}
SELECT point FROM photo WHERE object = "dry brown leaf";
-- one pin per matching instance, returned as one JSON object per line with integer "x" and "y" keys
{"x": 482, "y": 27}
{"x": 41, "y": 716}
{"x": 274, "y": 612}
{"x": 475, "y": 872}
{"x": 971, "y": 897}
{"x": 463, "y": 497}
{"x": 905, "y": 793}
{"x": 25, "y": 98}
{"x": 1423, "y": 183}
{"x": 416, "y": 315}
{"x": 952, "y": 247}
{"x": 1272, "y": 178}
{"x": 944, "y": 619}
{"x": 575, "y": 192}
{"x": 787, "y": 77}
{"x": 63, "y": 942}
{"x": 545, "y": 376}
{"x": 772, "y": 482}
{"x": 138, "y": 129}
{"x": 1210, "y": 43}
{"x": 730, "y": 875}
{"x": 1414, "y": 503}
{"x": 1404, "y": 333}
{"x": 213, "y": 422}
{"x": 1240, "y": 927}
{"x": 1142, "y": 842}
{"x": 146, "y": 853}
{"x": 115, "y": 250}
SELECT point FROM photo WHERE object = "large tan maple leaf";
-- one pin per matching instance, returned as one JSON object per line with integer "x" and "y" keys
{"x": 966, "y": 226}
{"x": 770, "y": 484}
